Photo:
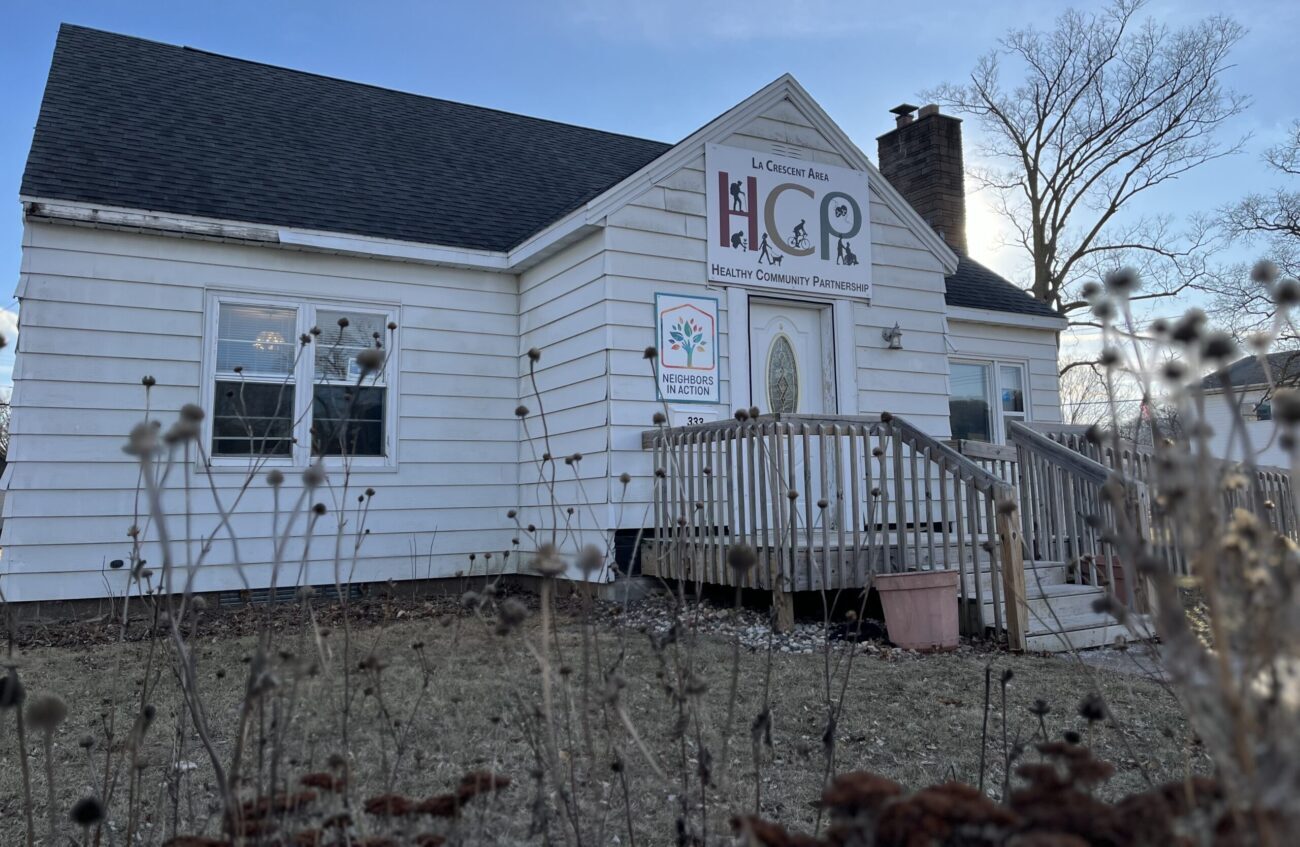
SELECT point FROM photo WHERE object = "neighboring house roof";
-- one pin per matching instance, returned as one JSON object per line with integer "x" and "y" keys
{"x": 138, "y": 124}
{"x": 143, "y": 125}
{"x": 976, "y": 287}
{"x": 1249, "y": 371}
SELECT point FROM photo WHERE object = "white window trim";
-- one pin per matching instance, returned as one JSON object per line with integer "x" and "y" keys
{"x": 304, "y": 379}
{"x": 995, "y": 390}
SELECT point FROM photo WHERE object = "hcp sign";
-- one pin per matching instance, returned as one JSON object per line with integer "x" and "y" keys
{"x": 785, "y": 223}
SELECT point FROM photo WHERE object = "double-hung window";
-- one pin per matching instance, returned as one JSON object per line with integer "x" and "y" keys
{"x": 985, "y": 397}
{"x": 295, "y": 381}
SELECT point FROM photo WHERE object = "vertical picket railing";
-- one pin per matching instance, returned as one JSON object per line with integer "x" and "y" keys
{"x": 1075, "y": 508}
{"x": 826, "y": 502}
{"x": 1266, "y": 492}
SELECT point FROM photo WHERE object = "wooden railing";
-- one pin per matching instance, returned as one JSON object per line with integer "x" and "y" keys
{"x": 1264, "y": 491}
{"x": 826, "y": 502}
{"x": 1074, "y": 510}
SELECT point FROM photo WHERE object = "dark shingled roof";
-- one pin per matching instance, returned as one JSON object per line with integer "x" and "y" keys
{"x": 138, "y": 124}
{"x": 142, "y": 125}
{"x": 1285, "y": 368}
{"x": 976, "y": 287}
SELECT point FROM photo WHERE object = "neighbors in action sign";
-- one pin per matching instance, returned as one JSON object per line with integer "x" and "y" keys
{"x": 787, "y": 223}
{"x": 688, "y": 348}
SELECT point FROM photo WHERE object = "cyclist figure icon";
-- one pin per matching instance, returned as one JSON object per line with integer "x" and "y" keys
{"x": 800, "y": 235}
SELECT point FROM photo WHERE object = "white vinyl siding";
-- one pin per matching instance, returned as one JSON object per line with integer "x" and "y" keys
{"x": 102, "y": 309}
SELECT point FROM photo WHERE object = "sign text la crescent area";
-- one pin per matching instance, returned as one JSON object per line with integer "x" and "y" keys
{"x": 788, "y": 224}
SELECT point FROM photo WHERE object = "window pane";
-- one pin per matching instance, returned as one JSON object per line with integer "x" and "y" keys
{"x": 968, "y": 407}
{"x": 258, "y": 339}
{"x": 347, "y": 421}
{"x": 252, "y": 419}
{"x": 782, "y": 378}
{"x": 337, "y": 347}
{"x": 1013, "y": 389}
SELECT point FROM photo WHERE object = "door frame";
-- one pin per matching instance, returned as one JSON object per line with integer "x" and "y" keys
{"x": 837, "y": 330}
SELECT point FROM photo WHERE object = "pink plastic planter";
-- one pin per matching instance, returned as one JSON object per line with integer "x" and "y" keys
{"x": 920, "y": 608}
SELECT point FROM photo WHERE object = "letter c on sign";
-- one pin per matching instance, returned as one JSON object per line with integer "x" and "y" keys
{"x": 769, "y": 217}
{"x": 827, "y": 230}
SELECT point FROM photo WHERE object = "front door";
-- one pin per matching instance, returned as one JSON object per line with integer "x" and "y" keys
{"x": 789, "y": 350}
{"x": 792, "y": 372}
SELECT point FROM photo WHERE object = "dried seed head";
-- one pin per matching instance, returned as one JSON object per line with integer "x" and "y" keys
{"x": 822, "y": 504}
{"x": 318, "y": 510}
{"x": 660, "y": 472}
{"x": 87, "y": 812}
{"x": 547, "y": 562}
{"x": 1093, "y": 708}
{"x": 1090, "y": 291}
{"x": 1174, "y": 371}
{"x": 658, "y": 419}
{"x": 1109, "y": 357}
{"x": 1218, "y": 346}
{"x": 143, "y": 440}
{"x": 651, "y": 352}
{"x": 1040, "y": 708}
{"x": 1287, "y": 292}
{"x": 313, "y": 477}
{"x": 534, "y": 355}
{"x": 45, "y": 713}
{"x": 1123, "y": 282}
{"x": 591, "y": 559}
{"x": 1188, "y": 328}
{"x": 1264, "y": 272}
{"x": 792, "y": 494}
{"x": 370, "y": 360}
{"x": 1286, "y": 406}
{"x": 625, "y": 477}
{"x": 148, "y": 381}
{"x": 12, "y": 693}
{"x": 521, "y": 411}
{"x": 742, "y": 415}
{"x": 1104, "y": 310}
{"x": 741, "y": 558}
{"x": 192, "y": 413}
{"x": 886, "y": 417}
{"x": 753, "y": 412}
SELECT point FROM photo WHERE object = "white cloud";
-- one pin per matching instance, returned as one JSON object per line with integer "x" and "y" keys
{"x": 9, "y": 325}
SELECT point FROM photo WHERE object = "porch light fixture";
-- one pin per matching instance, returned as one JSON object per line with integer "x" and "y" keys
{"x": 893, "y": 337}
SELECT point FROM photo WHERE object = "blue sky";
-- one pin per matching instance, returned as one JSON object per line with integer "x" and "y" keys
{"x": 655, "y": 69}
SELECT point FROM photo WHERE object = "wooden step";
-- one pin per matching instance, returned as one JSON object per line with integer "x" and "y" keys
{"x": 1080, "y": 632}
{"x": 1064, "y": 600}
{"x": 1036, "y": 573}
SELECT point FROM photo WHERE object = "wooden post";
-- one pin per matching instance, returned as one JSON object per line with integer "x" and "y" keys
{"x": 1013, "y": 576}
{"x": 784, "y": 602}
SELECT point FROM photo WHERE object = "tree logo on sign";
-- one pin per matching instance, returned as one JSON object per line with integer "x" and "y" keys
{"x": 687, "y": 336}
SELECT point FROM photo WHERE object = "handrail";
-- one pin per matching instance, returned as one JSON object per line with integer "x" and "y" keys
{"x": 1090, "y": 469}
{"x": 956, "y": 462}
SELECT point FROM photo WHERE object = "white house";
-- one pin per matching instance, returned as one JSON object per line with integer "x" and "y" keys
{"x": 1239, "y": 410}
{"x": 188, "y": 216}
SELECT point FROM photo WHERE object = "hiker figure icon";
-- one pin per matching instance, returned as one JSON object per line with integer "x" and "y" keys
{"x": 765, "y": 251}
{"x": 737, "y": 204}
{"x": 738, "y": 240}
{"x": 850, "y": 258}
{"x": 799, "y": 239}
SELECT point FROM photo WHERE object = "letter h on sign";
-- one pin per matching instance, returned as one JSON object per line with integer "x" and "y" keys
{"x": 726, "y": 209}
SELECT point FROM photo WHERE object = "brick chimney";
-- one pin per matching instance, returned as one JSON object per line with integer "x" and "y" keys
{"x": 921, "y": 158}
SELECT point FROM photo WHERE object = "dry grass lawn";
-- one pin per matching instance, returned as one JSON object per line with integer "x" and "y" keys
{"x": 916, "y": 719}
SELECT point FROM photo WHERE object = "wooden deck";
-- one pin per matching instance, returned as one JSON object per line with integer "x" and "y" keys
{"x": 827, "y": 502}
